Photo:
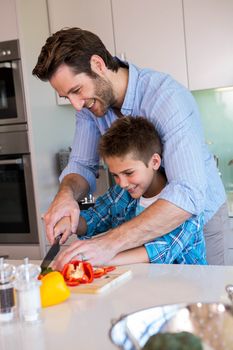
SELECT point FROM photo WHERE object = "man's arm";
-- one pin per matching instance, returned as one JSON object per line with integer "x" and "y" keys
{"x": 72, "y": 187}
{"x": 79, "y": 176}
{"x": 158, "y": 219}
{"x": 151, "y": 223}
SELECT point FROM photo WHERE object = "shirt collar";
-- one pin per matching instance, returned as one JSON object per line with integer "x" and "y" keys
{"x": 127, "y": 106}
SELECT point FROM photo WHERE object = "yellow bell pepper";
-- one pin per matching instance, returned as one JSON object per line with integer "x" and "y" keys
{"x": 53, "y": 289}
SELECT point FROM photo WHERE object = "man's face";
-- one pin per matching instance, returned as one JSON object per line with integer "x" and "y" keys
{"x": 133, "y": 175}
{"x": 83, "y": 91}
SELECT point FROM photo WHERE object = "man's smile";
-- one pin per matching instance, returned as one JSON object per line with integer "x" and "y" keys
{"x": 90, "y": 103}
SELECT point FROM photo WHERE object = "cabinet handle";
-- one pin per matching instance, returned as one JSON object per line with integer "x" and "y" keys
{"x": 123, "y": 56}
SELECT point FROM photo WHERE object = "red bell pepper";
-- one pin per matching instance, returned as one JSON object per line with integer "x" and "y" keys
{"x": 98, "y": 272}
{"x": 102, "y": 270}
{"x": 76, "y": 272}
{"x": 109, "y": 268}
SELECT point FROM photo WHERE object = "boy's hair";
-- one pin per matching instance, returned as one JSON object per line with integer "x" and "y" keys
{"x": 73, "y": 47}
{"x": 135, "y": 135}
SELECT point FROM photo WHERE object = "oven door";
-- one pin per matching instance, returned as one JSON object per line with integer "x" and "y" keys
{"x": 12, "y": 104}
{"x": 17, "y": 209}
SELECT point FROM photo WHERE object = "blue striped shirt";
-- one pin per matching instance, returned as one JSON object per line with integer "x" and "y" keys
{"x": 193, "y": 181}
{"x": 184, "y": 245}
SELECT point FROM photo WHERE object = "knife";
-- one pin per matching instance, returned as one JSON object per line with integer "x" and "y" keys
{"x": 51, "y": 253}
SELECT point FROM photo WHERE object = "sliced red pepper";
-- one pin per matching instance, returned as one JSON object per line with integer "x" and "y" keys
{"x": 77, "y": 272}
{"x": 72, "y": 283}
{"x": 102, "y": 270}
{"x": 99, "y": 272}
{"x": 109, "y": 268}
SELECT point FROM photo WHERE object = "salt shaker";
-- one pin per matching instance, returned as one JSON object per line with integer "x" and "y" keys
{"x": 28, "y": 291}
{"x": 7, "y": 297}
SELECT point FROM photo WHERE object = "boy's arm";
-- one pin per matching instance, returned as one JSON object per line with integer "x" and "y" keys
{"x": 165, "y": 249}
{"x": 99, "y": 218}
{"x": 64, "y": 225}
{"x": 92, "y": 221}
{"x": 131, "y": 256}
{"x": 187, "y": 237}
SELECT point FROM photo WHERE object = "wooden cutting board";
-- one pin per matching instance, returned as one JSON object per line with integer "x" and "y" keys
{"x": 104, "y": 283}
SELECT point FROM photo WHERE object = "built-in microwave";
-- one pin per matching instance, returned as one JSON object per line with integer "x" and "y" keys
{"x": 12, "y": 102}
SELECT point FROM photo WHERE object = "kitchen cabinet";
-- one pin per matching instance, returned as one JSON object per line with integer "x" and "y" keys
{"x": 8, "y": 22}
{"x": 146, "y": 34}
{"x": 208, "y": 33}
{"x": 188, "y": 39}
{"x": 86, "y": 14}
{"x": 20, "y": 251}
{"x": 151, "y": 34}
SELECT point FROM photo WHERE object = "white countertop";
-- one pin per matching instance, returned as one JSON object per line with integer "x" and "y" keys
{"x": 83, "y": 322}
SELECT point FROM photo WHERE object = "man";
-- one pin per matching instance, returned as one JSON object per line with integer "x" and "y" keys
{"x": 102, "y": 88}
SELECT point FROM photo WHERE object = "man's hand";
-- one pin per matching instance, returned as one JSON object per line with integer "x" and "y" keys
{"x": 72, "y": 188}
{"x": 97, "y": 251}
{"x": 62, "y": 206}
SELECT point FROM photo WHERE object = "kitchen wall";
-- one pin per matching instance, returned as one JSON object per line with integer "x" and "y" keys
{"x": 51, "y": 127}
{"x": 216, "y": 107}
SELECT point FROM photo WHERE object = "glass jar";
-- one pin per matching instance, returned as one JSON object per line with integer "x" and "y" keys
{"x": 28, "y": 291}
{"x": 7, "y": 296}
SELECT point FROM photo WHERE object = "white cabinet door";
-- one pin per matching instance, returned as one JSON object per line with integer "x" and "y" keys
{"x": 91, "y": 15}
{"x": 151, "y": 34}
{"x": 95, "y": 16}
{"x": 8, "y": 22}
{"x": 209, "y": 32}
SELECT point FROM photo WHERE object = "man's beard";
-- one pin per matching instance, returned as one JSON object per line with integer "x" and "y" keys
{"x": 104, "y": 94}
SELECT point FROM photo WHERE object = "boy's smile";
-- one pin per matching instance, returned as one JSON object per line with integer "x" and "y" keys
{"x": 134, "y": 176}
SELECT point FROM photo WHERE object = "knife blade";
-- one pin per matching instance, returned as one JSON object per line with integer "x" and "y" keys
{"x": 51, "y": 253}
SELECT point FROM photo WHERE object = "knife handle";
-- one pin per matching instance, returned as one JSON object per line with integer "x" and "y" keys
{"x": 58, "y": 238}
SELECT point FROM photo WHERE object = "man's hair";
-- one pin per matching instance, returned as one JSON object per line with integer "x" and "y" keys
{"x": 73, "y": 47}
{"x": 131, "y": 135}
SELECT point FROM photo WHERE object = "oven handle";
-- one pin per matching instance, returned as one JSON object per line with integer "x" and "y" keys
{"x": 5, "y": 65}
{"x": 11, "y": 161}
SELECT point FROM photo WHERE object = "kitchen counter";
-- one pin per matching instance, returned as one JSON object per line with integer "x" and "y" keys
{"x": 83, "y": 322}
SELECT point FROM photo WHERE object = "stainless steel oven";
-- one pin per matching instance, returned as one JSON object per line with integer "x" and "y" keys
{"x": 12, "y": 103}
{"x": 18, "y": 222}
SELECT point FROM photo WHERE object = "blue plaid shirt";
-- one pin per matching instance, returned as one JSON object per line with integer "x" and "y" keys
{"x": 184, "y": 245}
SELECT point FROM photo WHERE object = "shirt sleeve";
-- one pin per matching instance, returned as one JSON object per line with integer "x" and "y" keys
{"x": 98, "y": 218}
{"x": 84, "y": 158}
{"x": 185, "y": 244}
{"x": 176, "y": 117}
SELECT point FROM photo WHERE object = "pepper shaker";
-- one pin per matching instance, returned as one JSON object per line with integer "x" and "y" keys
{"x": 28, "y": 291}
{"x": 7, "y": 297}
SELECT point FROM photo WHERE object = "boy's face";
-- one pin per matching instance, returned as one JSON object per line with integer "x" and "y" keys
{"x": 133, "y": 175}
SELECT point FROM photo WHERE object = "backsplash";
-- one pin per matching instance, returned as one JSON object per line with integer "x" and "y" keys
{"x": 216, "y": 108}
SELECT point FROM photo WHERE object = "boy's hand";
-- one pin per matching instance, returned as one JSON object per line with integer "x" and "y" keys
{"x": 63, "y": 227}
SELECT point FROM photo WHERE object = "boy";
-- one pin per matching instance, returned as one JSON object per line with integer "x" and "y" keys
{"x": 132, "y": 150}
